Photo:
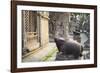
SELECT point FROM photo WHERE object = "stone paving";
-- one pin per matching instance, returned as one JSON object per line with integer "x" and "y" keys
{"x": 46, "y": 53}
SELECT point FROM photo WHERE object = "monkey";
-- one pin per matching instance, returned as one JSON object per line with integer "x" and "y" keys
{"x": 69, "y": 47}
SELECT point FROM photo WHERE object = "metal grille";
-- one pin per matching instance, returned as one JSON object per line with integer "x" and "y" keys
{"x": 29, "y": 32}
{"x": 26, "y": 20}
{"x": 29, "y": 21}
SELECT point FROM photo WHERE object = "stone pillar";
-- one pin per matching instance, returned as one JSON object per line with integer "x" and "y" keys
{"x": 44, "y": 31}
